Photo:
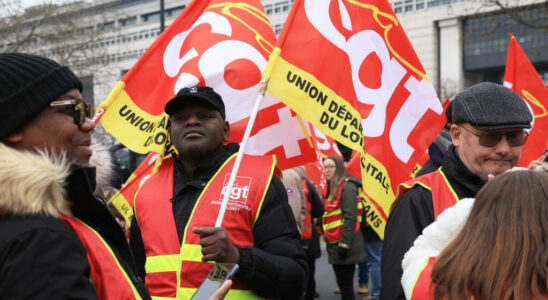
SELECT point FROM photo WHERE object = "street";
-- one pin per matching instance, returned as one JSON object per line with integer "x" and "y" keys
{"x": 325, "y": 279}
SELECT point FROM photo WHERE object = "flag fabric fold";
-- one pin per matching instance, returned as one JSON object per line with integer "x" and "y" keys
{"x": 224, "y": 44}
{"x": 348, "y": 68}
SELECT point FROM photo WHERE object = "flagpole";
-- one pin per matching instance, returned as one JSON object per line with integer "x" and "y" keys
{"x": 243, "y": 145}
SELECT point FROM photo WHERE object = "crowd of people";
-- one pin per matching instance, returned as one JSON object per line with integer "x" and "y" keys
{"x": 469, "y": 227}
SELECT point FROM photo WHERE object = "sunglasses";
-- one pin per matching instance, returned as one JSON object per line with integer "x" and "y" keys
{"x": 514, "y": 138}
{"x": 80, "y": 109}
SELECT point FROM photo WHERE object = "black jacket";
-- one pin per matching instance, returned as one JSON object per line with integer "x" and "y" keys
{"x": 312, "y": 246}
{"x": 414, "y": 211}
{"x": 276, "y": 266}
{"x": 90, "y": 210}
{"x": 41, "y": 257}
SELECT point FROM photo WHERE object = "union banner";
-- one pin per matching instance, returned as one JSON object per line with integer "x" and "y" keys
{"x": 348, "y": 68}
{"x": 223, "y": 44}
{"x": 522, "y": 78}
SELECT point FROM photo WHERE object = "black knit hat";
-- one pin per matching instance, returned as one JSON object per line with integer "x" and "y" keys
{"x": 28, "y": 84}
{"x": 490, "y": 106}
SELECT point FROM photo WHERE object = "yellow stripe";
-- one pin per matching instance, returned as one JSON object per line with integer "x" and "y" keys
{"x": 274, "y": 166}
{"x": 329, "y": 214}
{"x": 449, "y": 185}
{"x": 163, "y": 298}
{"x": 332, "y": 225}
{"x": 417, "y": 278}
{"x": 162, "y": 263}
{"x": 191, "y": 252}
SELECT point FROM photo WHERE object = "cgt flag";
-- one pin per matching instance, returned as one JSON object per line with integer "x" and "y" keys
{"x": 347, "y": 67}
{"x": 223, "y": 44}
{"x": 522, "y": 78}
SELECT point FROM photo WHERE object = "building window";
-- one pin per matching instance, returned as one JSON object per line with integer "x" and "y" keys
{"x": 108, "y": 25}
{"x": 155, "y": 16}
{"x": 128, "y": 21}
{"x": 173, "y": 12}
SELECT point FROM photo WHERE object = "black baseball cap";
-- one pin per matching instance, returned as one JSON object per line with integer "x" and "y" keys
{"x": 203, "y": 94}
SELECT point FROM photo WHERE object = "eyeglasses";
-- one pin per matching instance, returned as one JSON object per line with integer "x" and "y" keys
{"x": 514, "y": 138}
{"x": 80, "y": 109}
{"x": 329, "y": 167}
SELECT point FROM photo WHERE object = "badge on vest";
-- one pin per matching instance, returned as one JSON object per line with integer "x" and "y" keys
{"x": 238, "y": 196}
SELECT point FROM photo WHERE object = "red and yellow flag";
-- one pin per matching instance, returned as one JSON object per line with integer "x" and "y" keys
{"x": 348, "y": 68}
{"x": 522, "y": 78}
{"x": 224, "y": 44}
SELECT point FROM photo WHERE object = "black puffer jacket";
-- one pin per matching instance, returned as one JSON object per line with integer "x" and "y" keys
{"x": 276, "y": 266}
{"x": 411, "y": 214}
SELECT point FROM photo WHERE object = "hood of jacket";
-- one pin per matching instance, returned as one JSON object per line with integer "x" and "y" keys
{"x": 32, "y": 183}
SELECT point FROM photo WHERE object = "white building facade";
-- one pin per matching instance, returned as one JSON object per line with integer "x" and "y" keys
{"x": 459, "y": 42}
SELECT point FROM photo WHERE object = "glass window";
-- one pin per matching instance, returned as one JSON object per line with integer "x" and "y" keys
{"x": 155, "y": 16}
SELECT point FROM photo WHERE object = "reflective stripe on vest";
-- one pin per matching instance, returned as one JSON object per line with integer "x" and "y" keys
{"x": 332, "y": 219}
{"x": 421, "y": 288}
{"x": 306, "y": 233}
{"x": 443, "y": 195}
{"x": 176, "y": 271}
{"x": 108, "y": 277}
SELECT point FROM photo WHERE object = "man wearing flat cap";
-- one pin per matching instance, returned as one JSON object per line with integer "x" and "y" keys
{"x": 172, "y": 234}
{"x": 487, "y": 135}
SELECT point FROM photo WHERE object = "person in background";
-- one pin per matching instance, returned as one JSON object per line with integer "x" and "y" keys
{"x": 487, "y": 135}
{"x": 341, "y": 224}
{"x": 293, "y": 182}
{"x": 493, "y": 247}
{"x": 57, "y": 241}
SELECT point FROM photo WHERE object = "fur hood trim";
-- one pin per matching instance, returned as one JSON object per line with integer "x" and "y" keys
{"x": 32, "y": 183}
{"x": 435, "y": 237}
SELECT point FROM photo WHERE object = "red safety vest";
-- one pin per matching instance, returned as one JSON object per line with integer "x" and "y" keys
{"x": 443, "y": 195}
{"x": 107, "y": 276}
{"x": 332, "y": 217}
{"x": 306, "y": 233}
{"x": 175, "y": 271}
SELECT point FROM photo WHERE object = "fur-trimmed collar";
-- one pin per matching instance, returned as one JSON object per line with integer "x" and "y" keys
{"x": 32, "y": 183}
{"x": 435, "y": 237}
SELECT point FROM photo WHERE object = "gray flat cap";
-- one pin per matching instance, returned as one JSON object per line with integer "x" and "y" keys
{"x": 491, "y": 106}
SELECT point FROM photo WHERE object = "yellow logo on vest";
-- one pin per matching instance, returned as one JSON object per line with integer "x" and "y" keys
{"x": 238, "y": 195}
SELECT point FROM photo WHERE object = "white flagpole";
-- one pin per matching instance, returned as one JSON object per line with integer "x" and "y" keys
{"x": 243, "y": 145}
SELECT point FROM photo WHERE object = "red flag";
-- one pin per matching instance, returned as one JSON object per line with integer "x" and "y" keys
{"x": 522, "y": 78}
{"x": 348, "y": 68}
{"x": 218, "y": 43}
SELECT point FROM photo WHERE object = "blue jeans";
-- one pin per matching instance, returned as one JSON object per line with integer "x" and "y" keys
{"x": 363, "y": 273}
{"x": 373, "y": 250}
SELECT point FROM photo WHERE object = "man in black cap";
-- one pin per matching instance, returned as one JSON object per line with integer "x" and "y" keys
{"x": 172, "y": 233}
{"x": 57, "y": 241}
{"x": 487, "y": 135}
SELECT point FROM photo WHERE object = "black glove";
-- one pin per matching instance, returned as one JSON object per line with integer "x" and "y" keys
{"x": 342, "y": 251}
